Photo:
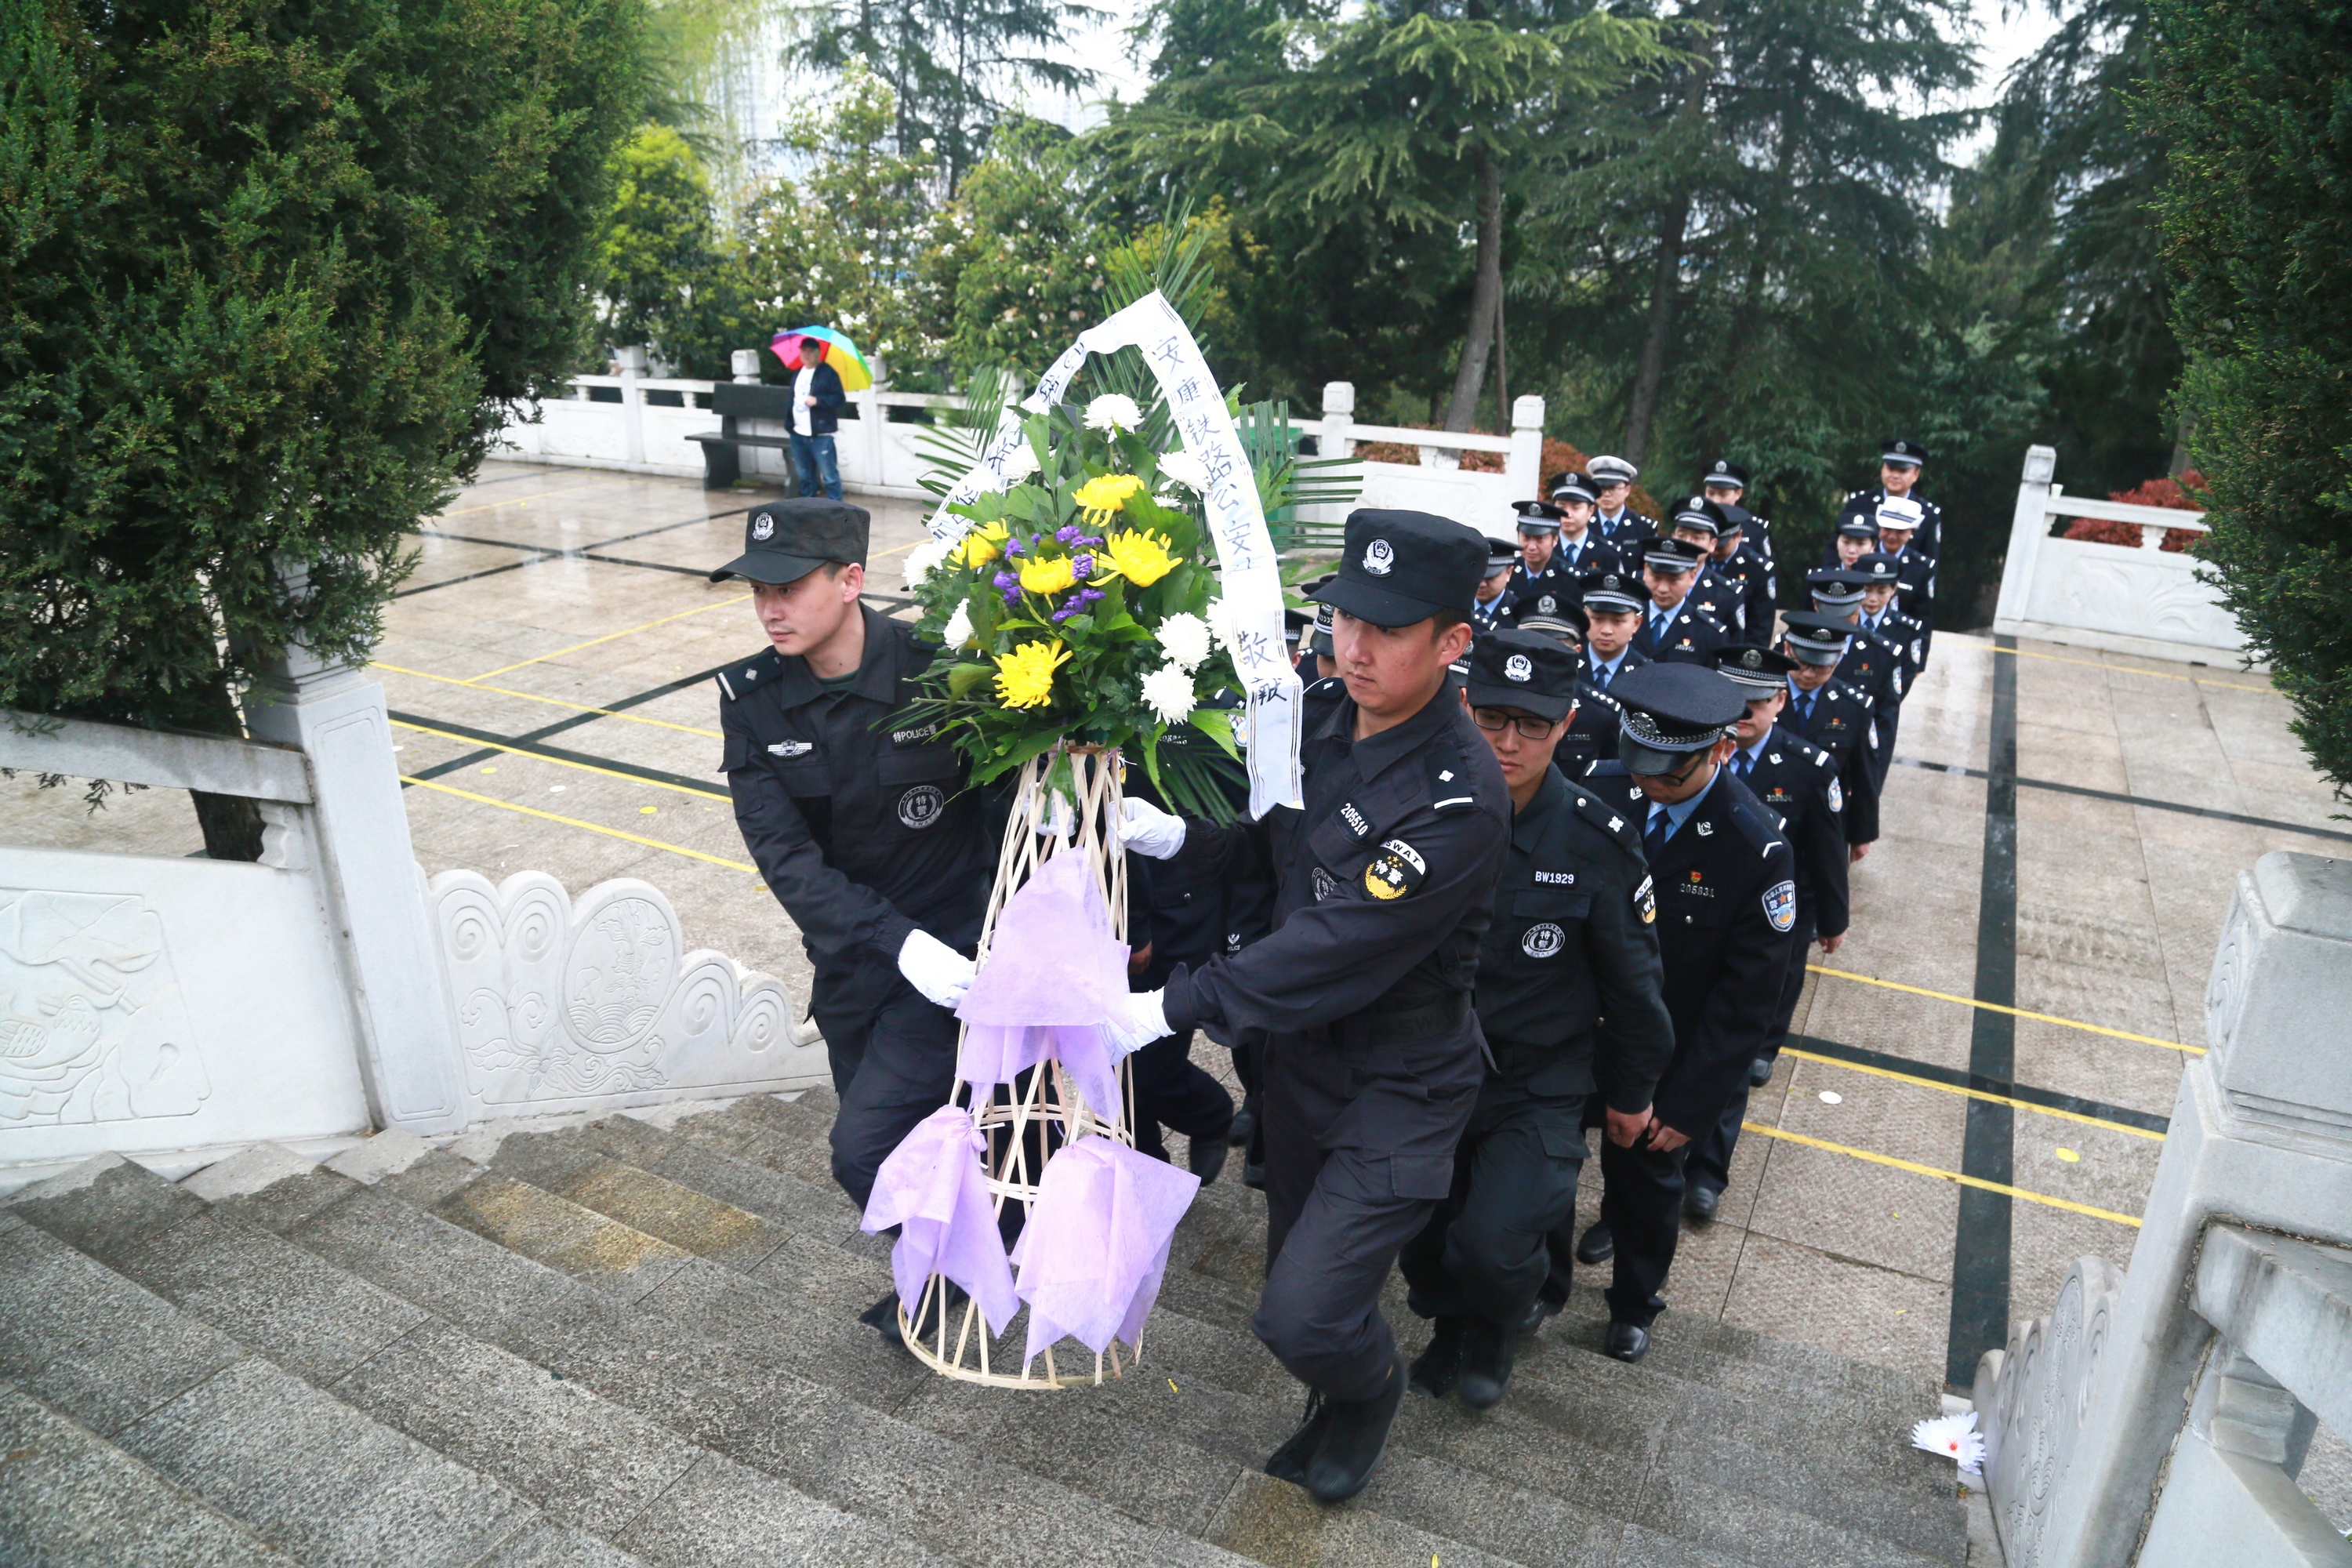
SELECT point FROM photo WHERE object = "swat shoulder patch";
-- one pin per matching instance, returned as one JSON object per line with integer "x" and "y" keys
{"x": 1395, "y": 869}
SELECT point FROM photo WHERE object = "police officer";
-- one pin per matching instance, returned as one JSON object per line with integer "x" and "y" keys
{"x": 1727, "y": 909}
{"x": 1385, "y": 883}
{"x": 1899, "y": 517}
{"x": 1613, "y": 518}
{"x": 1855, "y": 536}
{"x": 1899, "y": 462}
{"x": 1315, "y": 662}
{"x": 1569, "y": 996}
{"x": 1750, "y": 574}
{"x": 1797, "y": 782}
{"x": 1581, "y": 551}
{"x": 1726, "y": 484}
{"x": 1873, "y": 665}
{"x": 1833, "y": 716}
{"x": 1698, "y": 520}
{"x": 1592, "y": 722}
{"x": 863, "y": 830}
{"x": 1540, "y": 584}
{"x": 1881, "y": 576}
{"x": 1490, "y": 606}
{"x": 1672, "y": 631}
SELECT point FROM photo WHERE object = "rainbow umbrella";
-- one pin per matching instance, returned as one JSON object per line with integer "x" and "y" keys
{"x": 832, "y": 348}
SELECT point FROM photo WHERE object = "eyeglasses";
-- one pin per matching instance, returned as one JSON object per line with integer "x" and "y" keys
{"x": 1530, "y": 729}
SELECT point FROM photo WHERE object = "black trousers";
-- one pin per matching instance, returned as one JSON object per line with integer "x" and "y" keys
{"x": 1359, "y": 1148}
{"x": 1710, "y": 1153}
{"x": 892, "y": 1065}
{"x": 1640, "y": 1202}
{"x": 1170, "y": 1091}
{"x": 1483, "y": 1251}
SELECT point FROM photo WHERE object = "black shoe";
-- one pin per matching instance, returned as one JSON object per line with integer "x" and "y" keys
{"x": 1253, "y": 1176}
{"x": 1435, "y": 1369}
{"x": 1352, "y": 1446}
{"x": 1759, "y": 1072}
{"x": 1207, "y": 1158}
{"x": 1487, "y": 1353}
{"x": 1288, "y": 1463}
{"x": 1699, "y": 1204}
{"x": 1539, "y": 1312}
{"x": 882, "y": 1318}
{"x": 1244, "y": 1125}
{"x": 1626, "y": 1342}
{"x": 1597, "y": 1246}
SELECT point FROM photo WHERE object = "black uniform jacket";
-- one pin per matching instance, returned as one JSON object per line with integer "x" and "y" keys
{"x": 1759, "y": 588}
{"x": 1798, "y": 782}
{"x": 1629, "y": 533}
{"x": 1193, "y": 916}
{"x": 1571, "y": 960}
{"x": 863, "y": 831}
{"x": 1494, "y": 614}
{"x": 1546, "y": 592}
{"x": 1914, "y": 578}
{"x": 1909, "y": 637}
{"x": 1587, "y": 553}
{"x": 1874, "y": 665}
{"x": 1383, "y": 884}
{"x": 1687, "y": 636}
{"x": 1840, "y": 724}
{"x": 1727, "y": 893}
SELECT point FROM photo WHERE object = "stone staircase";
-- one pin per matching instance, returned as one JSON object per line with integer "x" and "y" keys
{"x": 633, "y": 1341}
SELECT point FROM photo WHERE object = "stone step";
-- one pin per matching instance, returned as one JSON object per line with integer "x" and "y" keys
{"x": 296, "y": 1467}
{"x": 70, "y": 1498}
{"x": 1537, "y": 1448}
{"x": 587, "y": 1462}
{"x": 1815, "y": 1441}
{"x": 607, "y": 1327}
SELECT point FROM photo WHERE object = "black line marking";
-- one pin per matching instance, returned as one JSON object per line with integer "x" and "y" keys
{"x": 2048, "y": 1098}
{"x": 558, "y": 726}
{"x": 540, "y": 552}
{"x": 2121, "y": 799}
{"x": 511, "y": 743}
{"x": 1981, "y": 1241}
{"x": 468, "y": 577}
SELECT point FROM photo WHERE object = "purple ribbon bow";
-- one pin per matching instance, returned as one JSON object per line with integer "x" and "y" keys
{"x": 933, "y": 1189}
{"x": 1097, "y": 1243}
{"x": 1052, "y": 975}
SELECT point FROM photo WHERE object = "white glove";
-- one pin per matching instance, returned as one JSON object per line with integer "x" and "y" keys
{"x": 1148, "y": 831}
{"x": 934, "y": 968}
{"x": 1135, "y": 1020}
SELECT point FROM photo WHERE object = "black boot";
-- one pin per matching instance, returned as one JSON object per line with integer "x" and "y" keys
{"x": 1207, "y": 1158}
{"x": 1598, "y": 1245}
{"x": 1487, "y": 1353}
{"x": 1352, "y": 1446}
{"x": 882, "y": 1318}
{"x": 1435, "y": 1369}
{"x": 1288, "y": 1463}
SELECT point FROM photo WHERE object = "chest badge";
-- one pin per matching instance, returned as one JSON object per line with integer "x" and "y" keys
{"x": 1396, "y": 869}
{"x": 1326, "y": 884}
{"x": 792, "y": 748}
{"x": 1544, "y": 940}
{"x": 921, "y": 806}
{"x": 1645, "y": 898}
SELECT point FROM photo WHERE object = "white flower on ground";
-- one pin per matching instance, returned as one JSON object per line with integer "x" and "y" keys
{"x": 922, "y": 561}
{"x": 1185, "y": 469}
{"x": 1185, "y": 639}
{"x": 1114, "y": 411}
{"x": 958, "y": 629}
{"x": 1169, "y": 692}
{"x": 1021, "y": 462}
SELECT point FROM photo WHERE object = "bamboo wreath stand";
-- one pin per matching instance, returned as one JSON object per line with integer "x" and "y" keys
{"x": 1025, "y": 1123}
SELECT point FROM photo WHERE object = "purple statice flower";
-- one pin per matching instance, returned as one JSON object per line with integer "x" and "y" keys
{"x": 1006, "y": 580}
{"x": 1012, "y": 544}
{"x": 1089, "y": 596}
{"x": 1083, "y": 566}
{"x": 1068, "y": 533}
{"x": 1012, "y": 595}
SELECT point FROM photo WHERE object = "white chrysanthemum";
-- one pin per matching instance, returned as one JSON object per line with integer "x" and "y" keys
{"x": 1021, "y": 462}
{"x": 1169, "y": 692}
{"x": 1185, "y": 469}
{"x": 1114, "y": 411}
{"x": 959, "y": 628}
{"x": 1185, "y": 639}
{"x": 922, "y": 561}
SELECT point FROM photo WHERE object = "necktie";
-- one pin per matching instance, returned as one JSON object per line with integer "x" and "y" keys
{"x": 1653, "y": 835}
{"x": 1804, "y": 708}
{"x": 1747, "y": 760}
{"x": 1600, "y": 674}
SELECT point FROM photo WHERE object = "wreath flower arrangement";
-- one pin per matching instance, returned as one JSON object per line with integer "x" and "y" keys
{"x": 1079, "y": 608}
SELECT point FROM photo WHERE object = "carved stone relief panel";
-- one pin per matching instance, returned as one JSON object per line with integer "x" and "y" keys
{"x": 94, "y": 1027}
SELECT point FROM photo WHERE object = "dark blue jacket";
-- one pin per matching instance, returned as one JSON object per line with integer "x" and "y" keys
{"x": 825, "y": 387}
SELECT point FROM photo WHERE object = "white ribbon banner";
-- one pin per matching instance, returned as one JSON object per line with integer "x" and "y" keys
{"x": 1251, "y": 573}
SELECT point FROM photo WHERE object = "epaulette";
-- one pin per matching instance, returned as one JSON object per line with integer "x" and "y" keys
{"x": 1618, "y": 824}
{"x": 1451, "y": 785}
{"x": 1329, "y": 686}
{"x": 1759, "y": 826}
{"x": 738, "y": 681}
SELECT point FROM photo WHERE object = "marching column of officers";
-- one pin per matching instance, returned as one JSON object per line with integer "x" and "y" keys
{"x": 1575, "y": 811}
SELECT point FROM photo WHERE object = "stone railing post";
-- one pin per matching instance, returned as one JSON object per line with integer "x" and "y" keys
{"x": 1524, "y": 466}
{"x": 2261, "y": 1138}
{"x": 375, "y": 892}
{"x": 743, "y": 364}
{"x": 633, "y": 429}
{"x": 871, "y": 417}
{"x": 1332, "y": 439}
{"x": 2028, "y": 526}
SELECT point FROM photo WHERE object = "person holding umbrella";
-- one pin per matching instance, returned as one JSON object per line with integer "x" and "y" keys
{"x": 817, "y": 396}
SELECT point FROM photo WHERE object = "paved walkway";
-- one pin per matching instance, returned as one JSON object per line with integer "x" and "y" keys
{"x": 2061, "y": 838}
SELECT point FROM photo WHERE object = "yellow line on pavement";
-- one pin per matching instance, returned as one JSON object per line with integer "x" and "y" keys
{"x": 2133, "y": 669}
{"x": 575, "y": 822}
{"x": 1942, "y": 1175}
{"x": 518, "y": 500}
{"x": 1974, "y": 1093}
{"x": 550, "y": 702}
{"x": 561, "y": 762}
{"x": 608, "y": 637}
{"x": 2012, "y": 1012}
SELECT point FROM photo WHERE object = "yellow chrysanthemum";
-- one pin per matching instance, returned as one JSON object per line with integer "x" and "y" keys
{"x": 1025, "y": 678}
{"x": 1104, "y": 495}
{"x": 1041, "y": 577}
{"x": 981, "y": 545}
{"x": 1139, "y": 557}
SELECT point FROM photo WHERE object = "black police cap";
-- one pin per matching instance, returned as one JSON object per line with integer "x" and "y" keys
{"x": 1672, "y": 555}
{"x": 1501, "y": 553}
{"x": 1816, "y": 638}
{"x": 1671, "y": 711}
{"x": 1575, "y": 487}
{"x": 784, "y": 540}
{"x": 1400, "y": 567}
{"x": 1723, "y": 471}
{"x": 1568, "y": 621}
{"x": 1753, "y": 668}
{"x": 1697, "y": 511}
{"x": 1735, "y": 518}
{"x": 1878, "y": 567}
{"x": 1537, "y": 516}
{"x": 1523, "y": 670}
{"x": 1612, "y": 591}
{"x": 1895, "y": 450}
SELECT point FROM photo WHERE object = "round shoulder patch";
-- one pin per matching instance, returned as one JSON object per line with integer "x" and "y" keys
{"x": 1394, "y": 870}
{"x": 1780, "y": 905}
